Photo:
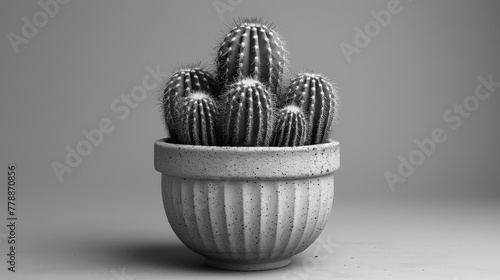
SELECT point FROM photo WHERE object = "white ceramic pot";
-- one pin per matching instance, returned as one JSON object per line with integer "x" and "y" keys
{"x": 247, "y": 208}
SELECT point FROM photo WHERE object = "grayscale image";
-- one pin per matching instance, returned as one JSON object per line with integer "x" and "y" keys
{"x": 238, "y": 139}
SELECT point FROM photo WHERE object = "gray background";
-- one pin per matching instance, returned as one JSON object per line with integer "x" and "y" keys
{"x": 108, "y": 213}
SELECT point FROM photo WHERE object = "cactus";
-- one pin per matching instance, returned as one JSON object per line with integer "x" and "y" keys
{"x": 246, "y": 116}
{"x": 197, "y": 119}
{"x": 181, "y": 84}
{"x": 318, "y": 99}
{"x": 236, "y": 108}
{"x": 291, "y": 127}
{"x": 252, "y": 49}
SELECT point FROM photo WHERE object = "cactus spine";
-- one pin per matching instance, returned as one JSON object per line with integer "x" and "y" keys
{"x": 318, "y": 99}
{"x": 291, "y": 127}
{"x": 251, "y": 49}
{"x": 197, "y": 119}
{"x": 181, "y": 84}
{"x": 246, "y": 118}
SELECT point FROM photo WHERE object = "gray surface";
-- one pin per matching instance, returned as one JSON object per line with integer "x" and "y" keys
{"x": 437, "y": 240}
{"x": 394, "y": 91}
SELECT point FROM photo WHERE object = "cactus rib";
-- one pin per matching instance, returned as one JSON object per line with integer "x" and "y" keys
{"x": 197, "y": 119}
{"x": 246, "y": 118}
{"x": 291, "y": 127}
{"x": 181, "y": 84}
{"x": 252, "y": 50}
{"x": 316, "y": 96}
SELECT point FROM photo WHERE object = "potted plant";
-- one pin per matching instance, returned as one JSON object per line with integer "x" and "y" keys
{"x": 247, "y": 172}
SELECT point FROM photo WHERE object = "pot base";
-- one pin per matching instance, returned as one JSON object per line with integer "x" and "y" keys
{"x": 248, "y": 266}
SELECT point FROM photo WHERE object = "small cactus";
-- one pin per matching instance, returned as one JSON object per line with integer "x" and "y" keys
{"x": 246, "y": 116}
{"x": 197, "y": 119}
{"x": 318, "y": 99}
{"x": 252, "y": 49}
{"x": 291, "y": 127}
{"x": 181, "y": 84}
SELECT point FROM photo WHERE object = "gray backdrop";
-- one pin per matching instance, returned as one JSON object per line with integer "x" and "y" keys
{"x": 395, "y": 89}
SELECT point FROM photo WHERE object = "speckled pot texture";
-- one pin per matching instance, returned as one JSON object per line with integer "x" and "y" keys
{"x": 247, "y": 208}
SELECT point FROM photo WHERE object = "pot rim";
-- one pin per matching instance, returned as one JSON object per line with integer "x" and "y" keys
{"x": 243, "y": 163}
{"x": 165, "y": 142}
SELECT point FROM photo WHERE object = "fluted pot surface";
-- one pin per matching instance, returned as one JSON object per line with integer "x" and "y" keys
{"x": 247, "y": 208}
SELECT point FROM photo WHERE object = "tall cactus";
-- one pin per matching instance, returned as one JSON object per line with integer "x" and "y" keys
{"x": 197, "y": 119}
{"x": 181, "y": 84}
{"x": 246, "y": 116}
{"x": 251, "y": 49}
{"x": 318, "y": 99}
{"x": 291, "y": 127}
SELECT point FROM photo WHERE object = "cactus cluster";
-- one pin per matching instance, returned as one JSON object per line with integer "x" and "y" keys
{"x": 245, "y": 103}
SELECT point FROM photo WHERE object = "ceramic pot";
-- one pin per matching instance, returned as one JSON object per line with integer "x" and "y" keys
{"x": 247, "y": 208}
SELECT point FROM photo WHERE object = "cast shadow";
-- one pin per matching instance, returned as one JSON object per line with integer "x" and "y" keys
{"x": 158, "y": 256}
{"x": 162, "y": 256}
